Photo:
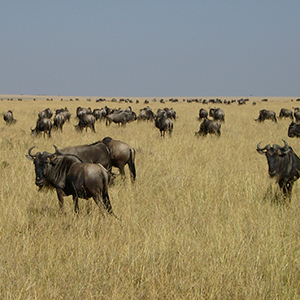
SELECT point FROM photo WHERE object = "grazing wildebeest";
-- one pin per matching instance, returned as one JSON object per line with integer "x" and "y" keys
{"x": 203, "y": 113}
{"x": 70, "y": 176}
{"x": 92, "y": 153}
{"x": 42, "y": 125}
{"x": 217, "y": 114}
{"x": 163, "y": 123}
{"x": 9, "y": 118}
{"x": 86, "y": 121}
{"x": 58, "y": 121}
{"x": 284, "y": 164}
{"x": 266, "y": 115}
{"x": 209, "y": 127}
{"x": 122, "y": 117}
{"x": 121, "y": 154}
{"x": 286, "y": 113}
{"x": 294, "y": 130}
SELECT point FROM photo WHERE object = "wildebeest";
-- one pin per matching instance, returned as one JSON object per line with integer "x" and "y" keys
{"x": 266, "y": 115}
{"x": 93, "y": 153}
{"x": 122, "y": 117}
{"x": 65, "y": 112}
{"x": 146, "y": 114}
{"x": 70, "y": 176}
{"x": 217, "y": 114}
{"x": 286, "y": 113}
{"x": 164, "y": 124}
{"x": 294, "y": 130}
{"x": 99, "y": 113}
{"x": 297, "y": 114}
{"x": 47, "y": 113}
{"x": 86, "y": 121}
{"x": 284, "y": 164}
{"x": 121, "y": 154}
{"x": 209, "y": 127}
{"x": 9, "y": 118}
{"x": 58, "y": 121}
{"x": 42, "y": 125}
{"x": 203, "y": 113}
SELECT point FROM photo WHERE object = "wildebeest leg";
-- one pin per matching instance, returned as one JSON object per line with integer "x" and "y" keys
{"x": 75, "y": 201}
{"x": 132, "y": 166}
{"x": 60, "y": 198}
{"x": 286, "y": 188}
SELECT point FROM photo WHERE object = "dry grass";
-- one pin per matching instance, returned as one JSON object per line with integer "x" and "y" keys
{"x": 199, "y": 222}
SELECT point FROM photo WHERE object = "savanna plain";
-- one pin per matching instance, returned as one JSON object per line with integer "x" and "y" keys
{"x": 199, "y": 222}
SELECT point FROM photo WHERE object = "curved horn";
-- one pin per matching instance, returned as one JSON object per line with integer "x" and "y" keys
{"x": 29, "y": 152}
{"x": 267, "y": 147}
{"x": 56, "y": 149}
{"x": 285, "y": 145}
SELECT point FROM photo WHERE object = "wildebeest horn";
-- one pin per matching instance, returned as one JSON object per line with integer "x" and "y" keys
{"x": 56, "y": 150}
{"x": 267, "y": 147}
{"x": 283, "y": 148}
{"x": 286, "y": 146}
{"x": 29, "y": 152}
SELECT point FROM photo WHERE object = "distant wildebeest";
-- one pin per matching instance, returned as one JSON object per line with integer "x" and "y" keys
{"x": 297, "y": 114}
{"x": 65, "y": 112}
{"x": 9, "y": 118}
{"x": 286, "y": 113}
{"x": 209, "y": 127}
{"x": 42, "y": 125}
{"x": 266, "y": 115}
{"x": 217, "y": 114}
{"x": 70, "y": 176}
{"x": 163, "y": 123}
{"x": 99, "y": 113}
{"x": 47, "y": 113}
{"x": 121, "y": 154}
{"x": 58, "y": 121}
{"x": 294, "y": 130}
{"x": 86, "y": 121}
{"x": 122, "y": 117}
{"x": 146, "y": 114}
{"x": 284, "y": 164}
{"x": 203, "y": 113}
{"x": 171, "y": 113}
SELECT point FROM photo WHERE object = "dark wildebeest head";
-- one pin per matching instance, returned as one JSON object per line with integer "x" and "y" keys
{"x": 70, "y": 176}
{"x": 283, "y": 164}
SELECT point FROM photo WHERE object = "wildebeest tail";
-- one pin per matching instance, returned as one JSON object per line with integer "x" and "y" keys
{"x": 131, "y": 164}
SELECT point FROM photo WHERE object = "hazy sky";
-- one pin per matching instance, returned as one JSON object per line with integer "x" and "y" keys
{"x": 150, "y": 48}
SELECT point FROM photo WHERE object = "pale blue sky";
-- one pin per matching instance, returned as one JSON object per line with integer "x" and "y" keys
{"x": 150, "y": 48}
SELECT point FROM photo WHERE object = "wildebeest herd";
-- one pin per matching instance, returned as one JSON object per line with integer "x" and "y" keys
{"x": 85, "y": 171}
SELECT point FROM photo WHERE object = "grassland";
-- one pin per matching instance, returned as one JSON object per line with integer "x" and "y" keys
{"x": 197, "y": 224}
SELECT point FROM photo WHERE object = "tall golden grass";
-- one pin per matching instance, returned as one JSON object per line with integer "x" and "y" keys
{"x": 198, "y": 223}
